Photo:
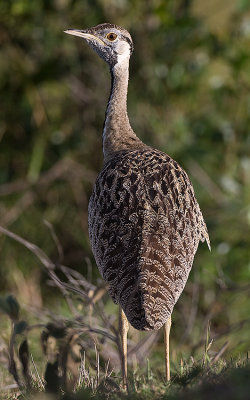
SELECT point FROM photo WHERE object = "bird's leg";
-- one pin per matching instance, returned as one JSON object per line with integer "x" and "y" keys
{"x": 167, "y": 327}
{"x": 123, "y": 326}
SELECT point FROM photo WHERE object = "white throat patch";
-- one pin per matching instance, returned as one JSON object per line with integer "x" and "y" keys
{"x": 123, "y": 52}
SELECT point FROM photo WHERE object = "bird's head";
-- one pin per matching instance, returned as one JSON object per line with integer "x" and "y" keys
{"x": 111, "y": 42}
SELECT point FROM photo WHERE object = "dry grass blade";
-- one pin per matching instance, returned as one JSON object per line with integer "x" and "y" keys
{"x": 143, "y": 347}
{"x": 37, "y": 373}
{"x": 47, "y": 263}
{"x": 97, "y": 358}
{"x": 31, "y": 246}
{"x": 76, "y": 278}
{"x": 56, "y": 240}
{"x": 81, "y": 373}
{"x": 220, "y": 352}
{"x": 8, "y": 387}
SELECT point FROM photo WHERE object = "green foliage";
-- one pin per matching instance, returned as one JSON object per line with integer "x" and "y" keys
{"x": 188, "y": 95}
{"x": 68, "y": 378}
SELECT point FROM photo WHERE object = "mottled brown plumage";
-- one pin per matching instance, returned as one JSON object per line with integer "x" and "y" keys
{"x": 145, "y": 226}
{"x": 144, "y": 221}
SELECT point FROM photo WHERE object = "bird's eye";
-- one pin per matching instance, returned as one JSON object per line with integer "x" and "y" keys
{"x": 111, "y": 36}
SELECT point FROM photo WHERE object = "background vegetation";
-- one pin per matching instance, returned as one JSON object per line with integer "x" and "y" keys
{"x": 189, "y": 95}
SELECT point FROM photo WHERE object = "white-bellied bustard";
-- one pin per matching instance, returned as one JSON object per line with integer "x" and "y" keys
{"x": 144, "y": 221}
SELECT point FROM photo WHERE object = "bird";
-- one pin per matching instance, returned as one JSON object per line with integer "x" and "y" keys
{"x": 145, "y": 223}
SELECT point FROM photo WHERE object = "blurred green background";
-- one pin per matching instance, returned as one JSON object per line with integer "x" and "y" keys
{"x": 189, "y": 95}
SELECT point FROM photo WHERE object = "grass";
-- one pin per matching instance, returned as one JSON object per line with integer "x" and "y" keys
{"x": 217, "y": 381}
{"x": 76, "y": 354}
{"x": 72, "y": 366}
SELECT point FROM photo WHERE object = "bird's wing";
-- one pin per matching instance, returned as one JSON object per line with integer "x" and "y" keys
{"x": 145, "y": 225}
{"x": 175, "y": 226}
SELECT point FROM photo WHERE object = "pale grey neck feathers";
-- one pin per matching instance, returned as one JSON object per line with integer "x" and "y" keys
{"x": 117, "y": 133}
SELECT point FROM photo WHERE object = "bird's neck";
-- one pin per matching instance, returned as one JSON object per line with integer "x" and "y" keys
{"x": 117, "y": 133}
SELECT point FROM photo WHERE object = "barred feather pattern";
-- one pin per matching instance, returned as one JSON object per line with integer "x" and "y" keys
{"x": 145, "y": 226}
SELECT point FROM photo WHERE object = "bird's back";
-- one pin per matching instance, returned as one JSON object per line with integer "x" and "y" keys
{"x": 145, "y": 226}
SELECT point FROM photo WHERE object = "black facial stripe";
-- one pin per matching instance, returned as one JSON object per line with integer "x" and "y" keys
{"x": 129, "y": 42}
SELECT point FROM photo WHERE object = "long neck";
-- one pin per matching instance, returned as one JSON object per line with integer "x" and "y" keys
{"x": 117, "y": 133}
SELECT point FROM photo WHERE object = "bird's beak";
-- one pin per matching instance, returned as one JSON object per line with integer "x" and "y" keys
{"x": 85, "y": 35}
